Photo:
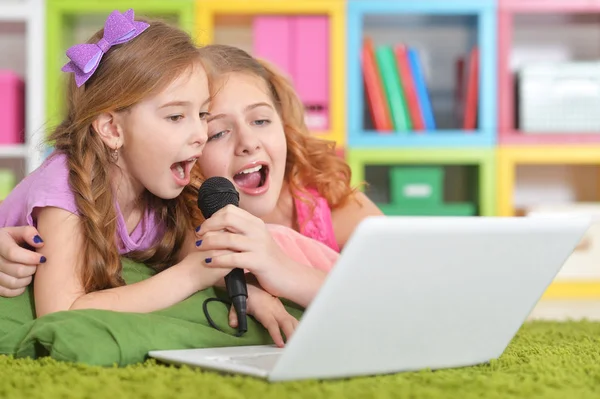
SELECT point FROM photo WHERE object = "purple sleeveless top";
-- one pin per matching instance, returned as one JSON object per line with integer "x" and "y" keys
{"x": 49, "y": 186}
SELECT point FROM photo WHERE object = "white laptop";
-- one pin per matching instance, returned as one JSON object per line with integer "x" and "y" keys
{"x": 410, "y": 293}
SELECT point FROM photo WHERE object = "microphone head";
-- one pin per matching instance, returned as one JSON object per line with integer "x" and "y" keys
{"x": 216, "y": 193}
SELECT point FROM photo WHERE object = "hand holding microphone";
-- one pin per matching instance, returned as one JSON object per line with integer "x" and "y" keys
{"x": 216, "y": 193}
{"x": 250, "y": 246}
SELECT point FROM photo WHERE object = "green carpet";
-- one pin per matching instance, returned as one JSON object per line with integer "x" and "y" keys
{"x": 544, "y": 360}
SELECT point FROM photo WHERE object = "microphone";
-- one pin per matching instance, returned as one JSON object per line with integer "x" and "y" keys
{"x": 214, "y": 194}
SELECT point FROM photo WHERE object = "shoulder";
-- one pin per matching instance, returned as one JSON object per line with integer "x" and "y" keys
{"x": 346, "y": 217}
{"x": 46, "y": 186}
{"x": 51, "y": 176}
{"x": 51, "y": 187}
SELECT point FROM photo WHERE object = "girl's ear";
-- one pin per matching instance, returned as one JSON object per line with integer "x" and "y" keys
{"x": 107, "y": 127}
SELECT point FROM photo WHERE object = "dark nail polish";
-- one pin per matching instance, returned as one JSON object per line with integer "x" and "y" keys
{"x": 43, "y": 259}
{"x": 37, "y": 239}
{"x": 197, "y": 229}
{"x": 198, "y": 243}
{"x": 208, "y": 260}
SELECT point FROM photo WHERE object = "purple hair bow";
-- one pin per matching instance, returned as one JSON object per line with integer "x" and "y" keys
{"x": 118, "y": 29}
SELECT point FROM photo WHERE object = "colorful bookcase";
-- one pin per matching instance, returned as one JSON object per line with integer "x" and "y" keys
{"x": 413, "y": 113}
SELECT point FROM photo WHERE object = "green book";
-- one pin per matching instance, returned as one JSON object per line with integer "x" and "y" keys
{"x": 448, "y": 209}
{"x": 386, "y": 62}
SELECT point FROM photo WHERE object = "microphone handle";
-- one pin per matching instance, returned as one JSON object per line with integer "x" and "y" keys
{"x": 235, "y": 282}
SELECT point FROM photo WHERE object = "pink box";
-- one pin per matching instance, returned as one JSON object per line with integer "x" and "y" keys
{"x": 12, "y": 108}
{"x": 272, "y": 37}
{"x": 299, "y": 46}
{"x": 310, "y": 43}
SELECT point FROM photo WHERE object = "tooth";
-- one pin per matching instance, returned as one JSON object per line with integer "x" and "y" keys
{"x": 251, "y": 170}
{"x": 180, "y": 170}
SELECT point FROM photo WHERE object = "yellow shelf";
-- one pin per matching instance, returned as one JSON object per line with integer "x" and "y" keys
{"x": 208, "y": 10}
{"x": 509, "y": 157}
{"x": 573, "y": 290}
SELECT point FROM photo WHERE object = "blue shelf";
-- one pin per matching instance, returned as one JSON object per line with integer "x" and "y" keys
{"x": 431, "y": 139}
{"x": 484, "y": 12}
{"x": 422, "y": 6}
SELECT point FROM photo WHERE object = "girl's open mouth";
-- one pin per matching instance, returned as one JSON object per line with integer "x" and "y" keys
{"x": 181, "y": 171}
{"x": 253, "y": 180}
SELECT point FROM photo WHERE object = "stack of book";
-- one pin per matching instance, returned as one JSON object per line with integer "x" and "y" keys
{"x": 397, "y": 94}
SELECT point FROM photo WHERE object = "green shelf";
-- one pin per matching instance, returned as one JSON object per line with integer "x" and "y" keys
{"x": 482, "y": 158}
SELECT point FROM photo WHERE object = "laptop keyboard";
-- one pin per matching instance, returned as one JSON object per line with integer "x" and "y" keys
{"x": 265, "y": 361}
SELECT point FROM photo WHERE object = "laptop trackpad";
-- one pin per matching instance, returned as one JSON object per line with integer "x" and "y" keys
{"x": 262, "y": 361}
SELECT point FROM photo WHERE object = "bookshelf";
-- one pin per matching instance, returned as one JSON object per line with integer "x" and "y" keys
{"x": 208, "y": 13}
{"x": 572, "y": 157}
{"x": 477, "y": 18}
{"x": 510, "y": 157}
{"x": 27, "y": 16}
{"x": 543, "y": 14}
{"x": 64, "y": 17}
{"x": 423, "y": 25}
{"x": 490, "y": 162}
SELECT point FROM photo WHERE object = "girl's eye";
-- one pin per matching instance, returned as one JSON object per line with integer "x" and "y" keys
{"x": 204, "y": 115}
{"x": 175, "y": 118}
{"x": 262, "y": 122}
{"x": 217, "y": 135}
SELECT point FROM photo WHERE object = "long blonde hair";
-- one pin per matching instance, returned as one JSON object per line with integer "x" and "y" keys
{"x": 311, "y": 161}
{"x": 126, "y": 74}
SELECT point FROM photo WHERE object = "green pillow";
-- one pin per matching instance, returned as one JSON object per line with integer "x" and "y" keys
{"x": 106, "y": 338}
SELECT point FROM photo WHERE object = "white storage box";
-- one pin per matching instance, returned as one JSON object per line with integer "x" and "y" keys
{"x": 584, "y": 263}
{"x": 559, "y": 98}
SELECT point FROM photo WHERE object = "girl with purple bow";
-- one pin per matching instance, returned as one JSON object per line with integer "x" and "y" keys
{"x": 135, "y": 124}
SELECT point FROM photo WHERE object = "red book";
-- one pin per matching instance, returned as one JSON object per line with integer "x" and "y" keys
{"x": 376, "y": 100}
{"x": 472, "y": 92}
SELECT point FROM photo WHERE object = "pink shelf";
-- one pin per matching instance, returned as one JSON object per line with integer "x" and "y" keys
{"x": 505, "y": 78}
{"x": 508, "y": 134}
{"x": 515, "y": 137}
{"x": 534, "y": 6}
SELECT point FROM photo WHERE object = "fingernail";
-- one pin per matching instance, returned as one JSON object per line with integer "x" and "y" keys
{"x": 37, "y": 239}
{"x": 208, "y": 260}
{"x": 197, "y": 229}
{"x": 43, "y": 259}
{"x": 198, "y": 243}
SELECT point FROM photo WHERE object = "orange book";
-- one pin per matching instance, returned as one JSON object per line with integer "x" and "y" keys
{"x": 375, "y": 96}
{"x": 472, "y": 91}
{"x": 408, "y": 86}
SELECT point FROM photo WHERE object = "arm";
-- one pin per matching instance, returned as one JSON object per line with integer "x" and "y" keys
{"x": 188, "y": 246}
{"x": 347, "y": 217}
{"x": 301, "y": 285}
{"x": 58, "y": 284}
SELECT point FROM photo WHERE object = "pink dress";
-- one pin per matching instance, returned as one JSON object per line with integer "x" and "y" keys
{"x": 316, "y": 224}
